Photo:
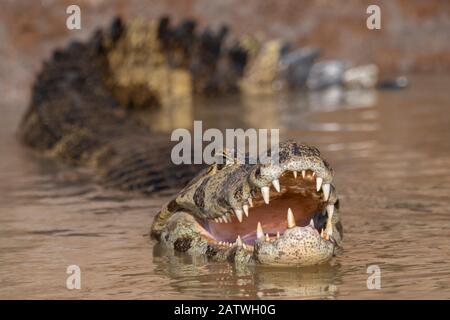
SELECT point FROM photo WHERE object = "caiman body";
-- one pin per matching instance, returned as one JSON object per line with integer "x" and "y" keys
{"x": 81, "y": 112}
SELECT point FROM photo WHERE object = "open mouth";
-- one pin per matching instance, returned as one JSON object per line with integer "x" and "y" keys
{"x": 295, "y": 199}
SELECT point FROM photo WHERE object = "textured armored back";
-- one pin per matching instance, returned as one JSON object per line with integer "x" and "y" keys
{"x": 74, "y": 117}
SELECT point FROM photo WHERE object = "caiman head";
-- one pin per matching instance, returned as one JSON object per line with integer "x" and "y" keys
{"x": 283, "y": 213}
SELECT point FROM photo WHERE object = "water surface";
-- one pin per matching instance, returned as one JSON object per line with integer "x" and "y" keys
{"x": 391, "y": 156}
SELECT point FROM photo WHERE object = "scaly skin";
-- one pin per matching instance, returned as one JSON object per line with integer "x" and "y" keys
{"x": 222, "y": 191}
{"x": 81, "y": 112}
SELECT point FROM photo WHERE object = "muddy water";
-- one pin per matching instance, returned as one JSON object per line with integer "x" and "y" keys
{"x": 391, "y": 155}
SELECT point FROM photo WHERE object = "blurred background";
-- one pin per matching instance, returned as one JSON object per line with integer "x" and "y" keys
{"x": 413, "y": 36}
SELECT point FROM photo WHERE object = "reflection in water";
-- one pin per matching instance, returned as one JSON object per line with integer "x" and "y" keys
{"x": 390, "y": 153}
{"x": 262, "y": 111}
{"x": 281, "y": 111}
{"x": 174, "y": 114}
{"x": 226, "y": 280}
{"x": 335, "y": 98}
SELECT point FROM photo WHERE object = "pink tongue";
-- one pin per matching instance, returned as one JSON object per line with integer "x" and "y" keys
{"x": 271, "y": 223}
{"x": 273, "y": 219}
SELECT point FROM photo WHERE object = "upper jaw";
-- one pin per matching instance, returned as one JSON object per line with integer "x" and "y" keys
{"x": 242, "y": 184}
{"x": 266, "y": 183}
{"x": 228, "y": 194}
{"x": 265, "y": 175}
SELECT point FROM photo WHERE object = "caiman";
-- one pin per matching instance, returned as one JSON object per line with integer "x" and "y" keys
{"x": 81, "y": 112}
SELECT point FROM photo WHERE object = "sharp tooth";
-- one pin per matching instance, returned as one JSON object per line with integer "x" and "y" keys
{"x": 295, "y": 174}
{"x": 313, "y": 174}
{"x": 278, "y": 235}
{"x": 318, "y": 183}
{"x": 244, "y": 246}
{"x": 311, "y": 223}
{"x": 239, "y": 241}
{"x": 330, "y": 210}
{"x": 245, "y": 208}
{"x": 220, "y": 219}
{"x": 303, "y": 174}
{"x": 265, "y": 193}
{"x": 329, "y": 230}
{"x": 267, "y": 237}
{"x": 326, "y": 191}
{"x": 321, "y": 233}
{"x": 228, "y": 217}
{"x": 259, "y": 231}
{"x": 290, "y": 219}
{"x": 250, "y": 202}
{"x": 239, "y": 214}
{"x": 276, "y": 185}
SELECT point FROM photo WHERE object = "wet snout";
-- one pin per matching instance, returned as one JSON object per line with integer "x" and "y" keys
{"x": 298, "y": 246}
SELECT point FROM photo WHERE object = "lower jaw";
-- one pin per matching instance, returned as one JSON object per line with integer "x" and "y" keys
{"x": 298, "y": 246}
